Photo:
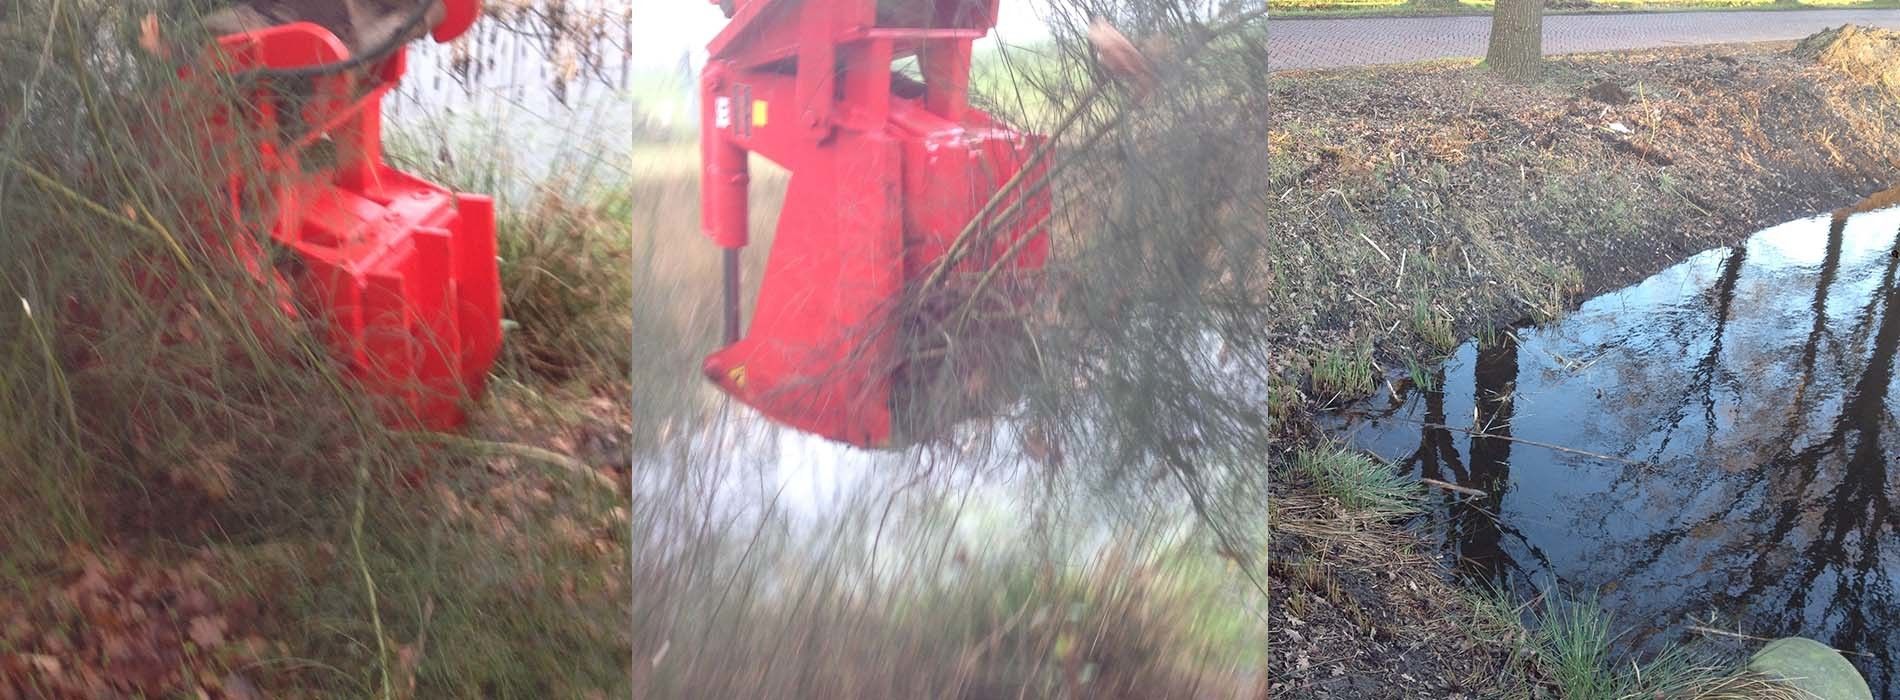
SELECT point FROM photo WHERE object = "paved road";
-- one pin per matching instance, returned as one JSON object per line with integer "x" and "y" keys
{"x": 1334, "y": 43}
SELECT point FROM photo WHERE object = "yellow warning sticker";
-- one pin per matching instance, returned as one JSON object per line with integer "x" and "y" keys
{"x": 758, "y": 112}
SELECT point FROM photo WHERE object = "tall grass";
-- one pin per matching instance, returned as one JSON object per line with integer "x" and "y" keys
{"x": 1576, "y": 636}
{"x": 1567, "y": 646}
{"x": 932, "y": 588}
{"x": 1344, "y": 374}
{"x": 156, "y": 399}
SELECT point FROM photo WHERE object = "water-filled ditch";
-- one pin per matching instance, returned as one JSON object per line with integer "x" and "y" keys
{"x": 1710, "y": 447}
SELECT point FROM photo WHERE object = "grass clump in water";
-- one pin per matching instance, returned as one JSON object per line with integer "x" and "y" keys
{"x": 1343, "y": 375}
{"x": 1421, "y": 377}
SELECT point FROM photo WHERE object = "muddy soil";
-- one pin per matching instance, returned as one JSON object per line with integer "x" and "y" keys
{"x": 1358, "y": 612}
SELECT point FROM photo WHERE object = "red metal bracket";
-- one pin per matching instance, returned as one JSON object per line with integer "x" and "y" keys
{"x": 886, "y": 172}
{"x": 402, "y": 271}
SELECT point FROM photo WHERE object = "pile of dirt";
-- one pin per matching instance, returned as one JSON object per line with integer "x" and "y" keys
{"x": 1868, "y": 54}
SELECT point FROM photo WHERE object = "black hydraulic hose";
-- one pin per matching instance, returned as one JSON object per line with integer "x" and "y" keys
{"x": 732, "y": 294}
{"x": 356, "y": 60}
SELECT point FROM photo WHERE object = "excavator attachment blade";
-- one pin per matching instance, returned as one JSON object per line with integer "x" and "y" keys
{"x": 890, "y": 232}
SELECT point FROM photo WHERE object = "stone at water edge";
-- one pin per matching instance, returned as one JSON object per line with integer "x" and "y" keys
{"x": 1812, "y": 667}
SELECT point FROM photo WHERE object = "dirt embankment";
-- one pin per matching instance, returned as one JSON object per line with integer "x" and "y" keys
{"x": 1412, "y": 194}
{"x": 1866, "y": 55}
{"x": 1411, "y": 206}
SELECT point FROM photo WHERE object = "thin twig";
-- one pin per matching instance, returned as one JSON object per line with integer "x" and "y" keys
{"x": 959, "y": 245}
{"x": 515, "y": 449}
{"x": 1448, "y": 486}
{"x": 1375, "y": 246}
{"x": 1698, "y": 629}
{"x": 1533, "y": 443}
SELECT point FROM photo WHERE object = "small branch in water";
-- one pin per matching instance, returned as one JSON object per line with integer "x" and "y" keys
{"x": 1533, "y": 443}
{"x": 1453, "y": 487}
{"x": 1698, "y": 629}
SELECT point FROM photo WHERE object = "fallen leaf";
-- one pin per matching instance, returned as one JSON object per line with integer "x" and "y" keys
{"x": 46, "y": 664}
{"x": 207, "y": 631}
{"x": 237, "y": 687}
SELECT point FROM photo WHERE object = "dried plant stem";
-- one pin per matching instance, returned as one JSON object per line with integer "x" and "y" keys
{"x": 513, "y": 449}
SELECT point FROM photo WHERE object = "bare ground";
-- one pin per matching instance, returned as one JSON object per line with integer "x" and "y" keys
{"x": 1357, "y": 613}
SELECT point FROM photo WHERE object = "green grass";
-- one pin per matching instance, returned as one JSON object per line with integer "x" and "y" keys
{"x": 1358, "y": 481}
{"x": 1421, "y": 375}
{"x": 1576, "y": 636}
{"x": 1343, "y": 374}
{"x": 1433, "y": 326}
{"x": 1284, "y": 400}
{"x": 1569, "y": 646}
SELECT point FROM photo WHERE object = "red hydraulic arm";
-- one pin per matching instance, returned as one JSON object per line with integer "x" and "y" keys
{"x": 400, "y": 271}
{"x": 886, "y": 171}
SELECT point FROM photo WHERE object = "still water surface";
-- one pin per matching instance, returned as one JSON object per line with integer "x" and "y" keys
{"x": 1726, "y": 436}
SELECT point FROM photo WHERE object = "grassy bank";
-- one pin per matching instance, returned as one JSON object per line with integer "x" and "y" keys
{"x": 1416, "y": 206}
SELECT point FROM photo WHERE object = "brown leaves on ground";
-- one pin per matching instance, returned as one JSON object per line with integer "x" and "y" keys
{"x": 525, "y": 505}
{"x": 123, "y": 627}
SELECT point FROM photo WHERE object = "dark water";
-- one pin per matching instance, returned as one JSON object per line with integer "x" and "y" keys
{"x": 1729, "y": 436}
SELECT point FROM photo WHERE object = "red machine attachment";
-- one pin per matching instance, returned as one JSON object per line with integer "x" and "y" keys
{"x": 400, "y": 270}
{"x": 886, "y": 173}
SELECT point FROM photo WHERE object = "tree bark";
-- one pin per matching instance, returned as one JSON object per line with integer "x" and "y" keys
{"x": 1517, "y": 39}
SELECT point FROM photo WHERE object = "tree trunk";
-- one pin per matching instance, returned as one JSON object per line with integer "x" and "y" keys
{"x": 1493, "y": 388}
{"x": 1517, "y": 39}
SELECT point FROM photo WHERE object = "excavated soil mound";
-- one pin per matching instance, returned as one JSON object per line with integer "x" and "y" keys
{"x": 1867, "y": 54}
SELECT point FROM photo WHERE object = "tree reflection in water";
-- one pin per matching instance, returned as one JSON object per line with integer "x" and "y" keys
{"x": 1748, "y": 390}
